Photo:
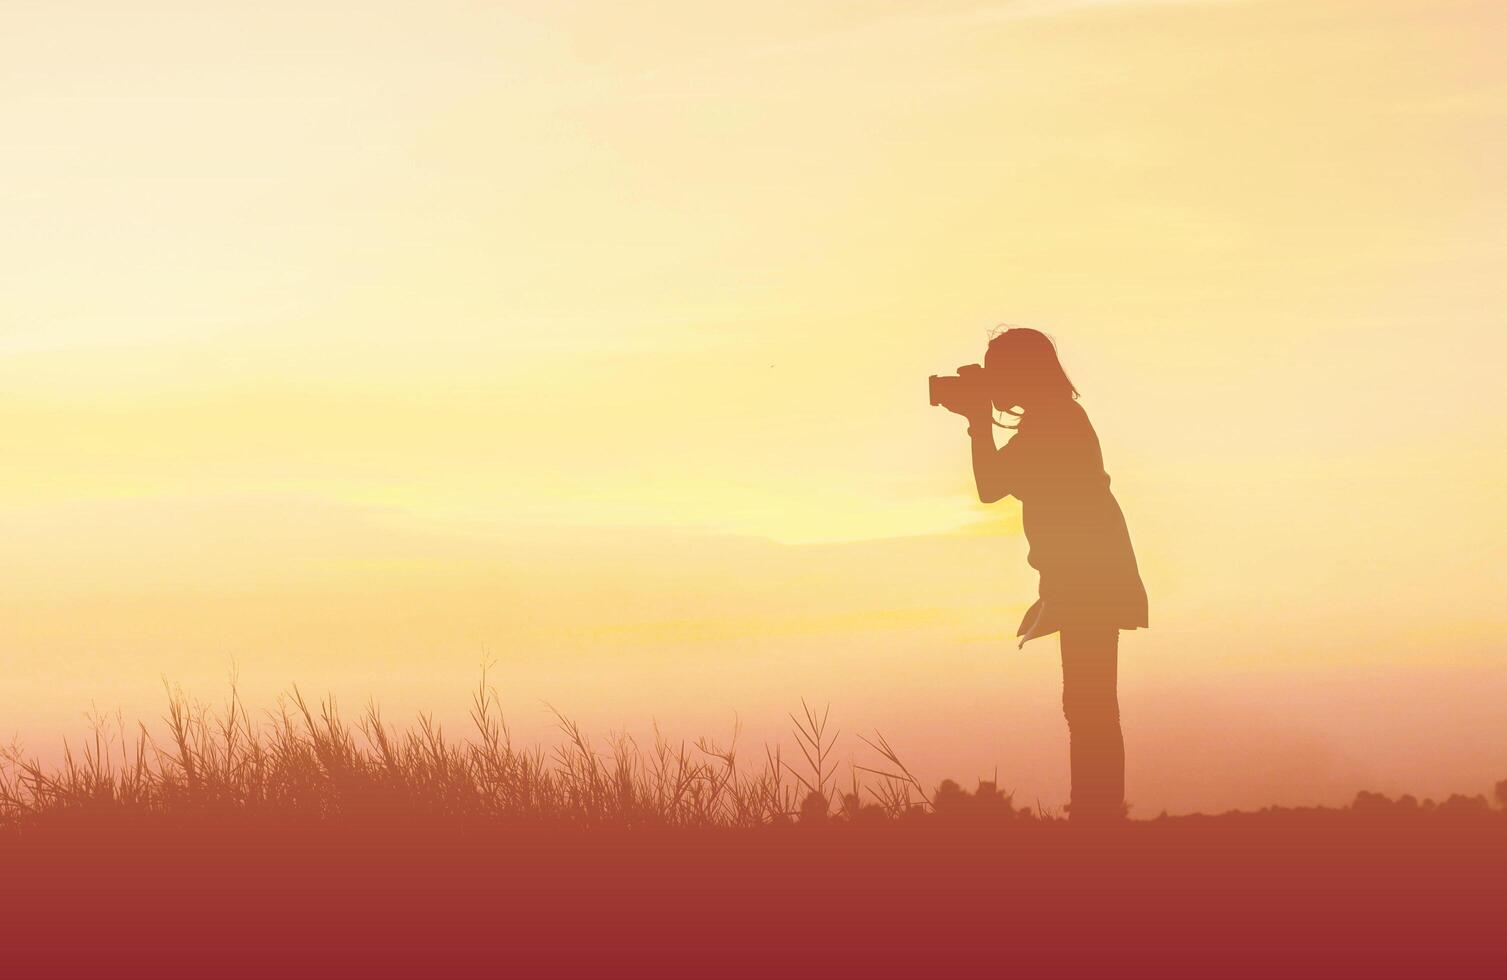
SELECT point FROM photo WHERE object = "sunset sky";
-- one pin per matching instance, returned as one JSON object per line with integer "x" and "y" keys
{"x": 353, "y": 344}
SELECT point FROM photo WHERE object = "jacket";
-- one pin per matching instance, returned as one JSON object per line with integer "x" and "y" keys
{"x": 1074, "y": 528}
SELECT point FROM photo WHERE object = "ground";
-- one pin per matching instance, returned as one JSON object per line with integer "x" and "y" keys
{"x": 1370, "y": 891}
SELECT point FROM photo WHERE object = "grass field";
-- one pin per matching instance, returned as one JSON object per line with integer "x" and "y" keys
{"x": 303, "y": 844}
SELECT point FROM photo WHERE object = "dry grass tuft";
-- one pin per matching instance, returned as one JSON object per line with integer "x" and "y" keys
{"x": 307, "y": 762}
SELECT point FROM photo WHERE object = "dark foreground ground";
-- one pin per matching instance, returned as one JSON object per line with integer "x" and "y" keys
{"x": 1315, "y": 894}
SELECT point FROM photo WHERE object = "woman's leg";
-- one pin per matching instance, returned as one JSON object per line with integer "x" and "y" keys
{"x": 1089, "y": 699}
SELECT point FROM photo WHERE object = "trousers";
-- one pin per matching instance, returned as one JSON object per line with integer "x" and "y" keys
{"x": 1090, "y": 700}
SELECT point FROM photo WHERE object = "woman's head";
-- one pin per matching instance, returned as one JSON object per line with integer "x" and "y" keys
{"x": 1022, "y": 370}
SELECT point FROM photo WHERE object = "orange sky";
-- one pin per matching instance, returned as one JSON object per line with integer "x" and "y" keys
{"x": 353, "y": 343}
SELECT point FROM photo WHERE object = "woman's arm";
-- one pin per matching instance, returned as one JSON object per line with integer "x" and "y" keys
{"x": 993, "y": 468}
{"x": 992, "y": 472}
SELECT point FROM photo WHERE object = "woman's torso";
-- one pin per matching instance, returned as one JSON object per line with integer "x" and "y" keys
{"x": 1074, "y": 527}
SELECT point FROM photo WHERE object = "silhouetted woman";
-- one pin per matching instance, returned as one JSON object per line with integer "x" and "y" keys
{"x": 1090, "y": 586}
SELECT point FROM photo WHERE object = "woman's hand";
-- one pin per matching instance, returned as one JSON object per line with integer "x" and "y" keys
{"x": 979, "y": 416}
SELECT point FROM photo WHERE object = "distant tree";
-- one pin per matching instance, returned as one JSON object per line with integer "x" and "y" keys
{"x": 1459, "y": 805}
{"x": 1501, "y": 793}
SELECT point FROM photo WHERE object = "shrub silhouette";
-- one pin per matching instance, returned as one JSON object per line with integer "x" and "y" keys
{"x": 987, "y": 804}
{"x": 814, "y": 808}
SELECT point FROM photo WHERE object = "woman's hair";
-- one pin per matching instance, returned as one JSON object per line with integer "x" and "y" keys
{"x": 1034, "y": 356}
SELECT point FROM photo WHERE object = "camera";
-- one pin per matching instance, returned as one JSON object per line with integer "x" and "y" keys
{"x": 958, "y": 390}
